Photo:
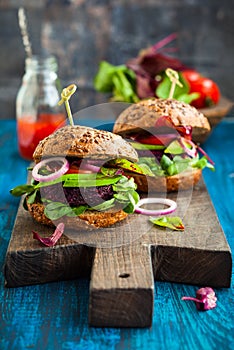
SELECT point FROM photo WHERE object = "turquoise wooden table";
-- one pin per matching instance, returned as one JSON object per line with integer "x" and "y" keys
{"x": 55, "y": 315}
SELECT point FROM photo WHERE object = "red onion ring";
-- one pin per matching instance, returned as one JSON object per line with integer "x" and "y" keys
{"x": 172, "y": 206}
{"x": 50, "y": 177}
{"x": 190, "y": 152}
{"x": 91, "y": 167}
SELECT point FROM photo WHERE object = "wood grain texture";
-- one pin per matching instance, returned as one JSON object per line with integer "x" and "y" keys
{"x": 121, "y": 279}
{"x": 28, "y": 262}
{"x": 203, "y": 244}
{"x": 55, "y": 315}
{"x": 122, "y": 288}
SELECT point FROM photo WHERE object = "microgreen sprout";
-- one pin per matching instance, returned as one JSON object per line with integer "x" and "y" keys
{"x": 65, "y": 97}
{"x": 174, "y": 78}
{"x": 205, "y": 299}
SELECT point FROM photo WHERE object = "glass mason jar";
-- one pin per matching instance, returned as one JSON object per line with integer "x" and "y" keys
{"x": 37, "y": 111}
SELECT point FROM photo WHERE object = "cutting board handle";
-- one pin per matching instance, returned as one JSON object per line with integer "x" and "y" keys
{"x": 122, "y": 287}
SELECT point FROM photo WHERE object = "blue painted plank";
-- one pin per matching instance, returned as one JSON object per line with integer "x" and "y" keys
{"x": 55, "y": 315}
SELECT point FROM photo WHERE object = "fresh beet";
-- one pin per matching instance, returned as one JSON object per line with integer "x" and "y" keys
{"x": 75, "y": 196}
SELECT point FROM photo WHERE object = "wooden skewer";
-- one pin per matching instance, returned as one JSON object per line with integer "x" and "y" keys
{"x": 24, "y": 31}
{"x": 174, "y": 78}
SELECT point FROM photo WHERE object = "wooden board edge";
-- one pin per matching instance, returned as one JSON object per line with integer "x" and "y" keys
{"x": 192, "y": 266}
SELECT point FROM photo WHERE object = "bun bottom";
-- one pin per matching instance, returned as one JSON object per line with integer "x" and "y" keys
{"x": 89, "y": 220}
{"x": 182, "y": 181}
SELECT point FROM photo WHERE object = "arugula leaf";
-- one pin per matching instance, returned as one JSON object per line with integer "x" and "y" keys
{"x": 123, "y": 90}
{"x": 56, "y": 210}
{"x": 129, "y": 209}
{"x": 120, "y": 80}
{"x": 188, "y": 98}
{"x": 31, "y": 197}
{"x": 22, "y": 189}
{"x": 178, "y": 165}
{"x": 172, "y": 222}
{"x": 134, "y": 199}
{"x": 105, "y": 205}
{"x": 79, "y": 210}
{"x": 180, "y": 93}
{"x": 174, "y": 166}
{"x": 201, "y": 163}
{"x": 165, "y": 162}
{"x": 125, "y": 193}
{"x": 146, "y": 169}
{"x": 124, "y": 184}
{"x": 103, "y": 80}
{"x": 150, "y": 163}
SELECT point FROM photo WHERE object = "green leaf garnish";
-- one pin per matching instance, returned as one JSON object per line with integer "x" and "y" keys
{"x": 178, "y": 165}
{"x": 105, "y": 205}
{"x": 126, "y": 194}
{"x": 181, "y": 93}
{"x": 202, "y": 163}
{"x": 127, "y": 165}
{"x": 108, "y": 171}
{"x": 165, "y": 162}
{"x": 31, "y": 197}
{"x": 142, "y": 146}
{"x": 149, "y": 163}
{"x": 56, "y": 210}
{"x": 174, "y": 148}
{"x": 172, "y": 222}
{"x": 22, "y": 189}
{"x": 116, "y": 79}
{"x": 188, "y": 98}
{"x": 88, "y": 180}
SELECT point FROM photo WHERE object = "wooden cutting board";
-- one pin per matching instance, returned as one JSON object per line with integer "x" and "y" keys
{"x": 123, "y": 269}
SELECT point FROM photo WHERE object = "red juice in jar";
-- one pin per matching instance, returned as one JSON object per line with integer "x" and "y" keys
{"x": 31, "y": 132}
{"x": 37, "y": 111}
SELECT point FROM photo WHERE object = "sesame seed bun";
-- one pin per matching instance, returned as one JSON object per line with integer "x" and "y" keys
{"x": 81, "y": 141}
{"x": 143, "y": 115}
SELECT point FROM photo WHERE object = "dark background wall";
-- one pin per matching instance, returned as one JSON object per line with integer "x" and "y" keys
{"x": 80, "y": 33}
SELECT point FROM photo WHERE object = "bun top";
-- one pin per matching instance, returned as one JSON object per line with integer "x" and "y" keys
{"x": 143, "y": 114}
{"x": 80, "y": 141}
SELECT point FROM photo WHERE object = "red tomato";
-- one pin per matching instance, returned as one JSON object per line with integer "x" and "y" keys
{"x": 75, "y": 170}
{"x": 191, "y": 75}
{"x": 209, "y": 93}
{"x": 207, "y": 88}
{"x": 160, "y": 140}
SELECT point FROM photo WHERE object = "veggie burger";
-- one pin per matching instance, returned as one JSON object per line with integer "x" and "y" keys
{"x": 79, "y": 179}
{"x": 161, "y": 130}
